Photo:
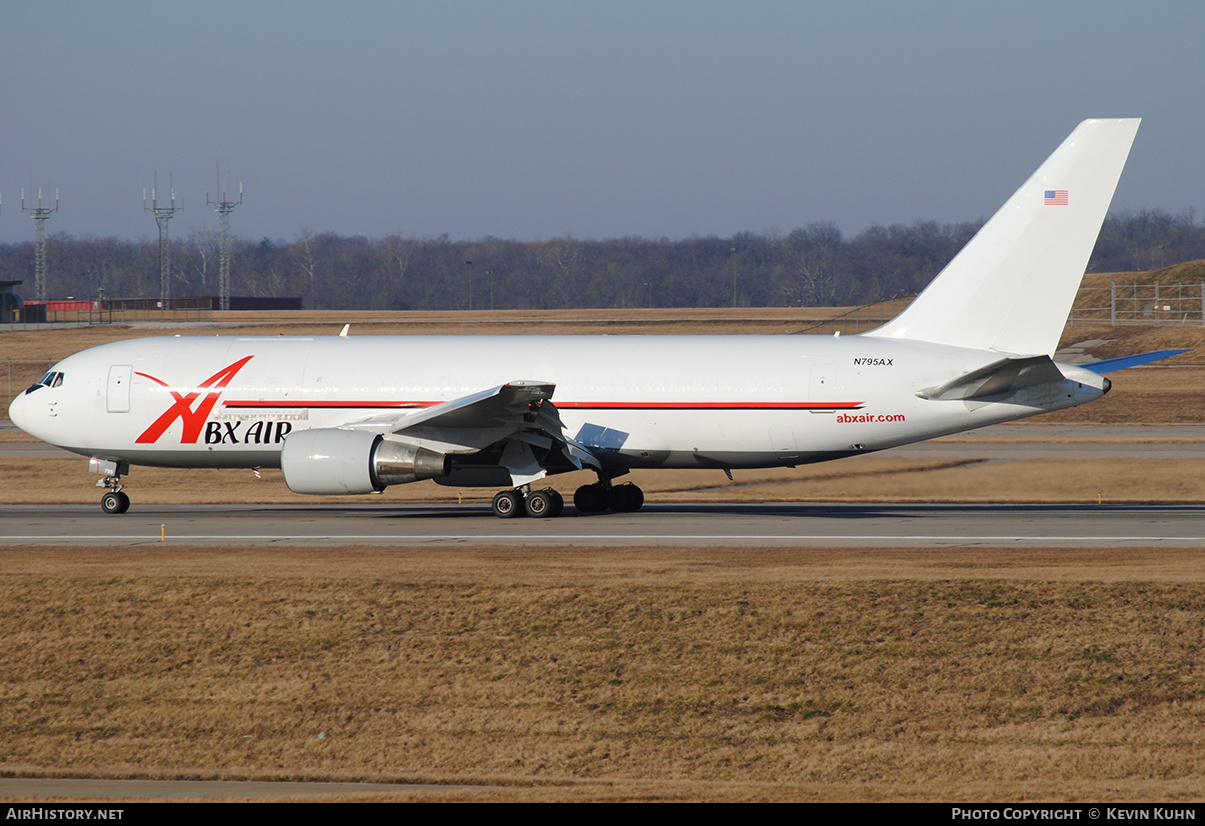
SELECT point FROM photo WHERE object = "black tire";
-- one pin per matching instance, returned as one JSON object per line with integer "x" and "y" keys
{"x": 639, "y": 496}
{"x": 508, "y": 504}
{"x": 590, "y": 499}
{"x": 558, "y": 501}
{"x": 623, "y": 498}
{"x": 115, "y": 502}
{"x": 540, "y": 504}
{"x": 627, "y": 498}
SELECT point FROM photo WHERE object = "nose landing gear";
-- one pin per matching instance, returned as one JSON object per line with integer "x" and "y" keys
{"x": 114, "y": 501}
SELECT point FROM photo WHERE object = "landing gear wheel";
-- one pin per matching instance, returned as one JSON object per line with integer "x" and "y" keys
{"x": 558, "y": 501}
{"x": 541, "y": 504}
{"x": 508, "y": 504}
{"x": 590, "y": 498}
{"x": 115, "y": 502}
{"x": 625, "y": 498}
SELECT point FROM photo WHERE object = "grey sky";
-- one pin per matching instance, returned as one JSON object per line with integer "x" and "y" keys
{"x": 527, "y": 119}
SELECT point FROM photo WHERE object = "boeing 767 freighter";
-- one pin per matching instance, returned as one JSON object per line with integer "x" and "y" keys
{"x": 355, "y": 414}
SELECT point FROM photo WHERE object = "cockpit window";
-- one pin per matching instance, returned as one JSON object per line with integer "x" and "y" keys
{"x": 51, "y": 379}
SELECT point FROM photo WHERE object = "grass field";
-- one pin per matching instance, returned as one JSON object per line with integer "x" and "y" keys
{"x": 639, "y": 673}
{"x": 630, "y": 673}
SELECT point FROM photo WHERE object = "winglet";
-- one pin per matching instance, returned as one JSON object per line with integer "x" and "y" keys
{"x": 1011, "y": 287}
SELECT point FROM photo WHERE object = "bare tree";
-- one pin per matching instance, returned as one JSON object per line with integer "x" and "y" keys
{"x": 813, "y": 253}
{"x": 203, "y": 247}
{"x": 304, "y": 252}
{"x": 560, "y": 257}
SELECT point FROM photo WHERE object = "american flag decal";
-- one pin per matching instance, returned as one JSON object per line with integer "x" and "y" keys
{"x": 1056, "y": 197}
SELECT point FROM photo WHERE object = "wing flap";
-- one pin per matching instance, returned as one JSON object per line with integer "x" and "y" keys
{"x": 488, "y": 408}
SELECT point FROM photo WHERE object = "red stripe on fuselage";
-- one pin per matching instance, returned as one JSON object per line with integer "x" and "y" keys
{"x": 246, "y": 404}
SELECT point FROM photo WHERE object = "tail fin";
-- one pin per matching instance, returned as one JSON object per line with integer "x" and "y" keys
{"x": 1011, "y": 287}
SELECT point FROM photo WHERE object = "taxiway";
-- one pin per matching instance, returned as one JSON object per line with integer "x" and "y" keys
{"x": 664, "y": 525}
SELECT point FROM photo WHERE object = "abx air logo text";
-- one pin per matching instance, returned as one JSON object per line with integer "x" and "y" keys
{"x": 257, "y": 433}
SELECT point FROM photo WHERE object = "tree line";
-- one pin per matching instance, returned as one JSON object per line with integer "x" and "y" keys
{"x": 814, "y": 265}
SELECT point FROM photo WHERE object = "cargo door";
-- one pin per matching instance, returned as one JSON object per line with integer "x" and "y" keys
{"x": 117, "y": 400}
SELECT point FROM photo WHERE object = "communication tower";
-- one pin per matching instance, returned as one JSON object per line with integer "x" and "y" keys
{"x": 223, "y": 208}
{"x": 40, "y": 215}
{"x": 162, "y": 216}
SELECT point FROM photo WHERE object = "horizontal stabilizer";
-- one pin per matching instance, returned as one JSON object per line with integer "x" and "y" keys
{"x": 1004, "y": 376}
{"x": 1113, "y": 365}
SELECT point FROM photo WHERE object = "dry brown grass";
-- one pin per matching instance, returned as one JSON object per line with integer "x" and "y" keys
{"x": 862, "y": 479}
{"x": 636, "y": 674}
{"x": 1153, "y": 395}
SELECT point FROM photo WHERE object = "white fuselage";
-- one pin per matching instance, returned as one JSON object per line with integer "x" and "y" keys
{"x": 634, "y": 401}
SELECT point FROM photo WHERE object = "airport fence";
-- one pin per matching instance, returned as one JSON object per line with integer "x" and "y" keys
{"x": 119, "y": 311}
{"x": 1117, "y": 305}
{"x": 1151, "y": 305}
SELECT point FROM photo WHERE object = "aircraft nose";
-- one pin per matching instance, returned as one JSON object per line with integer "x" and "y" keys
{"x": 16, "y": 411}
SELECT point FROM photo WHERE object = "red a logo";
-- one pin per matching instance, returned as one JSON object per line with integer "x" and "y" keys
{"x": 182, "y": 409}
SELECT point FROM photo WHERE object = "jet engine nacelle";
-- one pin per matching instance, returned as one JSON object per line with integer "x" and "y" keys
{"x": 332, "y": 460}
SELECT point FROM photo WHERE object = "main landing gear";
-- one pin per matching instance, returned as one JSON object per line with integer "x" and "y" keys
{"x": 596, "y": 498}
{"x": 544, "y": 504}
{"x": 538, "y": 504}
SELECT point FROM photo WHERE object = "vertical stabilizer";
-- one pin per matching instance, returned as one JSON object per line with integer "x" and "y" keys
{"x": 1011, "y": 287}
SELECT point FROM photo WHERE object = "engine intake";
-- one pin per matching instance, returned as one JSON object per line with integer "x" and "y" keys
{"x": 336, "y": 461}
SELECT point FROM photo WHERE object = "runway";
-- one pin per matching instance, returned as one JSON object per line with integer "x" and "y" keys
{"x": 667, "y": 525}
{"x": 661, "y": 525}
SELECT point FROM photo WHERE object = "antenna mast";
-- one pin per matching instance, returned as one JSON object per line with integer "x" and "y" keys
{"x": 162, "y": 216}
{"x": 40, "y": 215}
{"x": 223, "y": 208}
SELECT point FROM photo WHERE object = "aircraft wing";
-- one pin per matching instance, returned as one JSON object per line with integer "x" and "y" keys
{"x": 514, "y": 426}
